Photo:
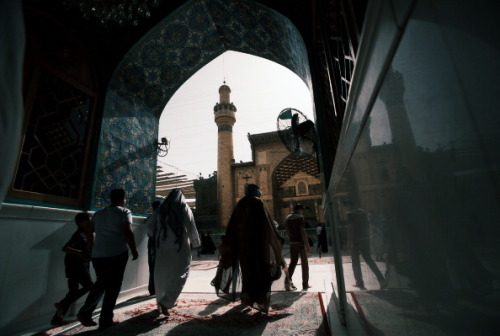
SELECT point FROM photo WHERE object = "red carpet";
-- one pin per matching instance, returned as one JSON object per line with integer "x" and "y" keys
{"x": 291, "y": 313}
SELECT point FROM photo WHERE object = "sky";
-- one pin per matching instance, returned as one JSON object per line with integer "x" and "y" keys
{"x": 260, "y": 90}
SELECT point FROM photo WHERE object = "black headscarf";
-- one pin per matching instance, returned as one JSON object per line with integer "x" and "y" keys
{"x": 171, "y": 213}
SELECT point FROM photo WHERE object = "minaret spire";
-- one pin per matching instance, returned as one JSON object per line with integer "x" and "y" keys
{"x": 224, "y": 115}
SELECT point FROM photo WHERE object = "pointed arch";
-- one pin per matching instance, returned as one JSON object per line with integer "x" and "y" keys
{"x": 160, "y": 63}
{"x": 291, "y": 165}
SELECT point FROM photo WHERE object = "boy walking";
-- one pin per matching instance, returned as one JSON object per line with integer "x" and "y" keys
{"x": 77, "y": 265}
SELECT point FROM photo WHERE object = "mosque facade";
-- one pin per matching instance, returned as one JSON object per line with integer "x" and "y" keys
{"x": 284, "y": 179}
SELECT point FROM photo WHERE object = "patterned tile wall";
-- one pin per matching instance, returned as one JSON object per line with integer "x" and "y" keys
{"x": 159, "y": 64}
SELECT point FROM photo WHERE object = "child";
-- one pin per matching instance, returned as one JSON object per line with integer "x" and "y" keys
{"x": 77, "y": 264}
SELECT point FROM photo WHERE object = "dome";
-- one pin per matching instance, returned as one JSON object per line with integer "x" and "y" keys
{"x": 223, "y": 88}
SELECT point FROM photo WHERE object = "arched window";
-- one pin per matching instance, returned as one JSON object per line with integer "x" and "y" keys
{"x": 302, "y": 188}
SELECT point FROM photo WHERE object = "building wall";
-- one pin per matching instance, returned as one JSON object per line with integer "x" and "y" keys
{"x": 268, "y": 157}
{"x": 206, "y": 203}
{"x": 313, "y": 212}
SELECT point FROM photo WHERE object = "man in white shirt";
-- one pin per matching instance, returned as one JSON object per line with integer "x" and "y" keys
{"x": 111, "y": 232}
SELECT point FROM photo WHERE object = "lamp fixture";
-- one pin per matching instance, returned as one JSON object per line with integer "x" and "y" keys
{"x": 121, "y": 12}
{"x": 163, "y": 147}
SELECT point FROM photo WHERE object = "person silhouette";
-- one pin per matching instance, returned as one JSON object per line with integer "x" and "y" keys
{"x": 299, "y": 243}
{"x": 151, "y": 248}
{"x": 110, "y": 237}
{"x": 175, "y": 235}
{"x": 250, "y": 254}
{"x": 360, "y": 245}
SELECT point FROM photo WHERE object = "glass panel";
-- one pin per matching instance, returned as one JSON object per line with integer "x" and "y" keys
{"x": 418, "y": 205}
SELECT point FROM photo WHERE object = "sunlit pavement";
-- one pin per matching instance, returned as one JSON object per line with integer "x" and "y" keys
{"x": 320, "y": 273}
{"x": 203, "y": 270}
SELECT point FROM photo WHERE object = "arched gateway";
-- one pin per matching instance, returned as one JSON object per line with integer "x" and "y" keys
{"x": 160, "y": 63}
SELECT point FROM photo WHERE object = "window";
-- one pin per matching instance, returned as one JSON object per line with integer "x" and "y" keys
{"x": 52, "y": 161}
{"x": 60, "y": 90}
{"x": 302, "y": 188}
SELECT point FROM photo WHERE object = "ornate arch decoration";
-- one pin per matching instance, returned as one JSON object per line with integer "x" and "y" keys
{"x": 291, "y": 165}
{"x": 160, "y": 63}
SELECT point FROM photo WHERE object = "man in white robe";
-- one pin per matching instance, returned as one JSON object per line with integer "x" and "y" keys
{"x": 175, "y": 236}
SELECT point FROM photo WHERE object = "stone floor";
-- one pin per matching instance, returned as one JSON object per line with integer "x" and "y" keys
{"x": 203, "y": 270}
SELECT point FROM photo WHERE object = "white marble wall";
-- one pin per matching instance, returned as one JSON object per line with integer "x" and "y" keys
{"x": 32, "y": 264}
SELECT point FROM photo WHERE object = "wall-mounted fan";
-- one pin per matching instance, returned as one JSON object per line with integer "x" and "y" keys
{"x": 296, "y": 132}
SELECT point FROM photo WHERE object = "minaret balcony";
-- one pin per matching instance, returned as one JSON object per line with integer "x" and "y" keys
{"x": 224, "y": 106}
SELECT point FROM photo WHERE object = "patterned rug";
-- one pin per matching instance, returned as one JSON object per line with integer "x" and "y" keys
{"x": 291, "y": 313}
{"x": 202, "y": 265}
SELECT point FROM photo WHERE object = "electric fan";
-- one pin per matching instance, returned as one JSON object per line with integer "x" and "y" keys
{"x": 296, "y": 132}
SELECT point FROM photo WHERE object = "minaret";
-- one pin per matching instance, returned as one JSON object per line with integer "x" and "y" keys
{"x": 224, "y": 118}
